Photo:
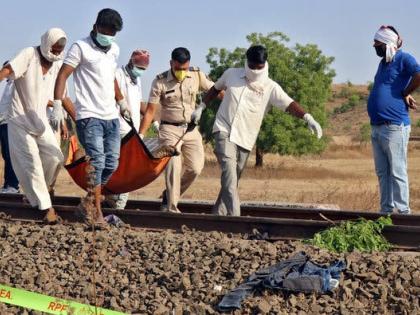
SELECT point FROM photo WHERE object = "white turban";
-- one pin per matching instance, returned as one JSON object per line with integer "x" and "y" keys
{"x": 391, "y": 39}
{"x": 50, "y": 38}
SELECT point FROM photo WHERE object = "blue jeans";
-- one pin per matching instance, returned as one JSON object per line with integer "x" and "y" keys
{"x": 389, "y": 144}
{"x": 101, "y": 141}
{"x": 10, "y": 179}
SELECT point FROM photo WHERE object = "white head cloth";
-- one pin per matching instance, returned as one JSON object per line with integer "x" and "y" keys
{"x": 51, "y": 37}
{"x": 392, "y": 41}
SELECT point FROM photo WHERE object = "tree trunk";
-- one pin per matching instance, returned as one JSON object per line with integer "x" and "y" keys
{"x": 259, "y": 157}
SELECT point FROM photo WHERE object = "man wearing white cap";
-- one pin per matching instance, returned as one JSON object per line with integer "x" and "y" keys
{"x": 398, "y": 75}
{"x": 129, "y": 81}
{"x": 35, "y": 154}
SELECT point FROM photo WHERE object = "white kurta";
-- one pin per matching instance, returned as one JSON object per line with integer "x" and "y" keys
{"x": 132, "y": 93}
{"x": 34, "y": 151}
{"x": 242, "y": 110}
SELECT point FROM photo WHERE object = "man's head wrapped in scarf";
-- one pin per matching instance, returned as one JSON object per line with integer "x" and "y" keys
{"x": 140, "y": 58}
{"x": 390, "y": 37}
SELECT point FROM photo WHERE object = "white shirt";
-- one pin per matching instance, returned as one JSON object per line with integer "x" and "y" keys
{"x": 242, "y": 110}
{"x": 133, "y": 95}
{"x": 93, "y": 79}
{"x": 6, "y": 102}
{"x": 32, "y": 91}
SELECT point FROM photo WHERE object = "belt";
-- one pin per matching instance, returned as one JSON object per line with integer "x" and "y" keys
{"x": 382, "y": 123}
{"x": 164, "y": 122}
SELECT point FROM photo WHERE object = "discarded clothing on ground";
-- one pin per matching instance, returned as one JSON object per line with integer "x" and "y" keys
{"x": 112, "y": 219}
{"x": 296, "y": 274}
{"x": 140, "y": 163}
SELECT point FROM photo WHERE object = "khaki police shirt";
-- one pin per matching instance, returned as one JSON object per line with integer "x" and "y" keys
{"x": 178, "y": 99}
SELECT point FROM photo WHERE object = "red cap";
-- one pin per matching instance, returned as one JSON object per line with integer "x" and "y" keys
{"x": 140, "y": 58}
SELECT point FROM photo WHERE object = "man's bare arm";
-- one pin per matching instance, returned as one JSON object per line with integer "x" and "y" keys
{"x": 69, "y": 107}
{"x": 148, "y": 118}
{"x": 211, "y": 95}
{"x": 414, "y": 84}
{"x": 118, "y": 95}
{"x": 60, "y": 82}
{"x": 296, "y": 110}
{"x": 143, "y": 107}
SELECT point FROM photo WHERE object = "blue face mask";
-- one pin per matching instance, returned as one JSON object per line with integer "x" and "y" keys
{"x": 105, "y": 40}
{"x": 137, "y": 72}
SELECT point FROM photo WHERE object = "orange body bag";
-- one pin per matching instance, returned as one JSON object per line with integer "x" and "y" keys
{"x": 137, "y": 167}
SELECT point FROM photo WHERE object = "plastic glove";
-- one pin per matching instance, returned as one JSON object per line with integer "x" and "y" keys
{"x": 156, "y": 126}
{"x": 124, "y": 110}
{"x": 56, "y": 115}
{"x": 196, "y": 115}
{"x": 313, "y": 125}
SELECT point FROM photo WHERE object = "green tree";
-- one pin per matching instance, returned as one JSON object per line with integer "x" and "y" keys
{"x": 302, "y": 71}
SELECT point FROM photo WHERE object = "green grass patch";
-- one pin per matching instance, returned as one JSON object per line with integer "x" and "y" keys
{"x": 361, "y": 235}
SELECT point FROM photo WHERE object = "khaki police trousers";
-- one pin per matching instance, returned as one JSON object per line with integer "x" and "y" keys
{"x": 232, "y": 159}
{"x": 181, "y": 170}
{"x": 36, "y": 160}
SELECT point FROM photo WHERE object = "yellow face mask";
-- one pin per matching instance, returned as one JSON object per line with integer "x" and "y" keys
{"x": 180, "y": 74}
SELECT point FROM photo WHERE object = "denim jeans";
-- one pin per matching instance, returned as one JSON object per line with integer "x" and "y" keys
{"x": 10, "y": 179}
{"x": 296, "y": 274}
{"x": 389, "y": 144}
{"x": 101, "y": 141}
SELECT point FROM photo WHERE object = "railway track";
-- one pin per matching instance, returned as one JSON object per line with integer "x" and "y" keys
{"x": 274, "y": 228}
{"x": 247, "y": 210}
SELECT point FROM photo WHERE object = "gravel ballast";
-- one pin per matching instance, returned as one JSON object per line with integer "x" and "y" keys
{"x": 141, "y": 272}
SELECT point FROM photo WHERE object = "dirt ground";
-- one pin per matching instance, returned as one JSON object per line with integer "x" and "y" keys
{"x": 342, "y": 175}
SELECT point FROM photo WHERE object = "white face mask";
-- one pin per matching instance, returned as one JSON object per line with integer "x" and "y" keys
{"x": 256, "y": 75}
{"x": 50, "y": 56}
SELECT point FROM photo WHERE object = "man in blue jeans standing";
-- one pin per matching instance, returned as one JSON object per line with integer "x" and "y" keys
{"x": 398, "y": 75}
{"x": 93, "y": 62}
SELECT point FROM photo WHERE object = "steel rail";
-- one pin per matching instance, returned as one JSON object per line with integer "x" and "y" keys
{"x": 252, "y": 210}
{"x": 271, "y": 228}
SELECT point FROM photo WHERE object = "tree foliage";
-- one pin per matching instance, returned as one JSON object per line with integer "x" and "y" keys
{"x": 302, "y": 71}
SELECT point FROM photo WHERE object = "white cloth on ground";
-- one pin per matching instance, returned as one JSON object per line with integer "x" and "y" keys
{"x": 93, "y": 78}
{"x": 133, "y": 95}
{"x": 390, "y": 38}
{"x": 242, "y": 110}
{"x": 36, "y": 161}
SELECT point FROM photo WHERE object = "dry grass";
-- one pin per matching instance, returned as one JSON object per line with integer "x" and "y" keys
{"x": 343, "y": 175}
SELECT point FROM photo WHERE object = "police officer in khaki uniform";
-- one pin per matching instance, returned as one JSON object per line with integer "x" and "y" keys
{"x": 176, "y": 91}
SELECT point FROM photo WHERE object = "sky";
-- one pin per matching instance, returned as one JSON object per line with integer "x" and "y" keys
{"x": 343, "y": 29}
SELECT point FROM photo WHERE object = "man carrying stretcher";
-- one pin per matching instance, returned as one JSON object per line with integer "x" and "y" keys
{"x": 93, "y": 62}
